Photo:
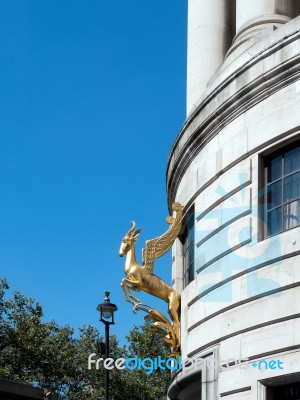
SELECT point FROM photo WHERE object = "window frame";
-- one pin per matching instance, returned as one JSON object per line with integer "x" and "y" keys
{"x": 188, "y": 247}
{"x": 266, "y": 183}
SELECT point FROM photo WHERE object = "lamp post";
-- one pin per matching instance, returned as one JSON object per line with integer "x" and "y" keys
{"x": 107, "y": 310}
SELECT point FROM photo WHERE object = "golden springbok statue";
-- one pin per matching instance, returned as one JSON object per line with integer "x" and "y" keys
{"x": 141, "y": 277}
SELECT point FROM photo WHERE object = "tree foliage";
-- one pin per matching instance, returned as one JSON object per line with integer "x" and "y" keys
{"x": 45, "y": 354}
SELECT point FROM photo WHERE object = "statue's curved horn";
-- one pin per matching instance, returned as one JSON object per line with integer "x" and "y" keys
{"x": 130, "y": 232}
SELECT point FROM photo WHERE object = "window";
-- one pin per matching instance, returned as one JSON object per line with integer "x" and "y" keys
{"x": 284, "y": 392}
{"x": 188, "y": 241}
{"x": 282, "y": 176}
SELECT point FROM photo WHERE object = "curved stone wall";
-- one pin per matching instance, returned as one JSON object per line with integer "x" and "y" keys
{"x": 244, "y": 300}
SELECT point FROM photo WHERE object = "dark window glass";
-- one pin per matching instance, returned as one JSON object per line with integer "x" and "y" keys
{"x": 291, "y": 215}
{"x": 292, "y": 160}
{"x": 274, "y": 220}
{"x": 289, "y": 391}
{"x": 275, "y": 169}
{"x": 291, "y": 187}
{"x": 188, "y": 249}
{"x": 274, "y": 194}
{"x": 283, "y": 189}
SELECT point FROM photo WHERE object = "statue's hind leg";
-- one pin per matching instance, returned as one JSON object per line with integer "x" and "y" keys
{"x": 174, "y": 312}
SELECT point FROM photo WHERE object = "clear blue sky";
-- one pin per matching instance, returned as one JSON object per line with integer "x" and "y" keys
{"x": 92, "y": 97}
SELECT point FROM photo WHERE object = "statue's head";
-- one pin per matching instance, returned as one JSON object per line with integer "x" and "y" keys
{"x": 129, "y": 239}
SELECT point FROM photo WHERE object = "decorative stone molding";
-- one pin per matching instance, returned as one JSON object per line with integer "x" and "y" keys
{"x": 257, "y": 75}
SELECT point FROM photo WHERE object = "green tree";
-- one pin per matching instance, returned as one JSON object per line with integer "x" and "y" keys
{"x": 144, "y": 344}
{"x": 44, "y": 354}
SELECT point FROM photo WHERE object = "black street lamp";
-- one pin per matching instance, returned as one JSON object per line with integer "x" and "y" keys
{"x": 107, "y": 310}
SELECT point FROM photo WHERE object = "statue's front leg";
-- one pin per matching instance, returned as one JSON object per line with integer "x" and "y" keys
{"x": 126, "y": 285}
{"x": 126, "y": 291}
{"x": 138, "y": 305}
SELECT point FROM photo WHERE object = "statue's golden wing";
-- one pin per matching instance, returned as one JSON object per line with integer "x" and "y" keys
{"x": 157, "y": 247}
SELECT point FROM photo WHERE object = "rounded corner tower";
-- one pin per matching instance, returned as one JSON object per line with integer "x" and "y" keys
{"x": 235, "y": 167}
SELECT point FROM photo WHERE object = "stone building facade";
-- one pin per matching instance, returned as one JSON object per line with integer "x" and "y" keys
{"x": 235, "y": 167}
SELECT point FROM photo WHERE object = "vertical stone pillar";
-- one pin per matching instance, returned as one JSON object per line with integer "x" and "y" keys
{"x": 210, "y": 33}
{"x": 247, "y": 10}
